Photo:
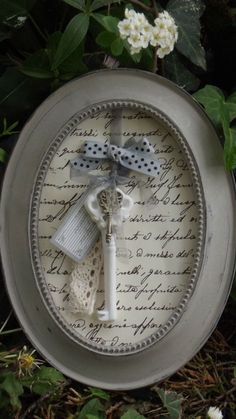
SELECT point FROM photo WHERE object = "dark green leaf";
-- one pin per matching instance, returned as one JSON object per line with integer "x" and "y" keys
{"x": 117, "y": 47}
{"x": 93, "y": 407}
{"x": 187, "y": 14}
{"x": 132, "y": 414}
{"x": 110, "y": 23}
{"x": 97, "y": 392}
{"x": 73, "y": 65}
{"x": 19, "y": 95}
{"x": 38, "y": 66}
{"x": 96, "y": 4}
{"x": 172, "y": 402}
{"x": 3, "y": 155}
{"x": 71, "y": 38}
{"x": 4, "y": 35}
{"x": 13, "y": 388}
{"x": 45, "y": 380}
{"x": 229, "y": 145}
{"x": 212, "y": 99}
{"x": 78, "y": 4}
{"x": 175, "y": 70}
{"x": 231, "y": 106}
{"x": 52, "y": 45}
{"x": 13, "y": 8}
{"x": 104, "y": 39}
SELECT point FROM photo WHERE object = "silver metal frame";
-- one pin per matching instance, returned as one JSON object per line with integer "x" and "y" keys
{"x": 213, "y": 280}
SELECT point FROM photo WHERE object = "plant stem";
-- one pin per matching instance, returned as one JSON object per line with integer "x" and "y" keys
{"x": 154, "y": 60}
{"x": 37, "y": 27}
{"x": 9, "y": 315}
{"x": 141, "y": 5}
{"x": 155, "y": 7}
{"x": 8, "y": 332}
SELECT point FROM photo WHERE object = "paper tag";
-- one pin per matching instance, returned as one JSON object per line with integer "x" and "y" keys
{"x": 77, "y": 233}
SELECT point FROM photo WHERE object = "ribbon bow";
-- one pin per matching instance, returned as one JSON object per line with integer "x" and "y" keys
{"x": 136, "y": 157}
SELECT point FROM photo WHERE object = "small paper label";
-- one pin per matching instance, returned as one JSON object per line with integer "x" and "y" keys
{"x": 78, "y": 232}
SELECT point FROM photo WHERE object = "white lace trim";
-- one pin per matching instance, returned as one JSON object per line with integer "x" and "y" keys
{"x": 84, "y": 282}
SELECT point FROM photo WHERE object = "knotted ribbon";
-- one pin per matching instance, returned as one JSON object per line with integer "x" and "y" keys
{"x": 137, "y": 157}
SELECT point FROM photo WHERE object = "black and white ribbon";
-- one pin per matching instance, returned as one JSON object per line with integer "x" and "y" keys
{"x": 137, "y": 157}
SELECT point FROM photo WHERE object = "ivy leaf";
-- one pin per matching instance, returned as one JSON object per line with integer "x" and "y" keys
{"x": 229, "y": 146}
{"x": 97, "y": 392}
{"x": 172, "y": 402}
{"x": 211, "y": 98}
{"x": 97, "y": 4}
{"x": 94, "y": 408}
{"x": 78, "y": 4}
{"x": 117, "y": 47}
{"x": 105, "y": 39}
{"x": 222, "y": 112}
{"x": 132, "y": 414}
{"x": 177, "y": 72}
{"x": 187, "y": 15}
{"x": 37, "y": 65}
{"x": 71, "y": 38}
{"x": 13, "y": 388}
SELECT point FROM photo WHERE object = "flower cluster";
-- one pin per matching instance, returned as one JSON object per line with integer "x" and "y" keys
{"x": 214, "y": 413}
{"x": 27, "y": 362}
{"x": 140, "y": 33}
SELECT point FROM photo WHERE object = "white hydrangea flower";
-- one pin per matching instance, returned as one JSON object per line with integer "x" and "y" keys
{"x": 214, "y": 413}
{"x": 164, "y": 35}
{"x": 125, "y": 28}
{"x": 140, "y": 33}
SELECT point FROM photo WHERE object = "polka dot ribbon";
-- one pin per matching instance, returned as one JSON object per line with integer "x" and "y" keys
{"x": 138, "y": 157}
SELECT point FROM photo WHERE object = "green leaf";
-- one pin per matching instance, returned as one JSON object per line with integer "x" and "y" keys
{"x": 4, "y": 35}
{"x": 71, "y": 38}
{"x": 211, "y": 98}
{"x": 172, "y": 402}
{"x": 14, "y": 8}
{"x": 45, "y": 380}
{"x": 132, "y": 414}
{"x": 93, "y": 407}
{"x": 117, "y": 47}
{"x": 175, "y": 70}
{"x": 13, "y": 388}
{"x": 78, "y": 4}
{"x": 3, "y": 155}
{"x": 110, "y": 23}
{"x": 231, "y": 106}
{"x": 187, "y": 15}
{"x": 37, "y": 65}
{"x": 19, "y": 95}
{"x": 97, "y": 392}
{"x": 97, "y": 4}
{"x": 229, "y": 146}
{"x": 73, "y": 65}
{"x": 105, "y": 39}
{"x": 53, "y": 42}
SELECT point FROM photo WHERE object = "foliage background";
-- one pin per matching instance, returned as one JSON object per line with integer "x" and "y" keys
{"x": 44, "y": 44}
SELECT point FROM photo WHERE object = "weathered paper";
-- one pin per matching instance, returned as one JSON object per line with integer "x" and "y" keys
{"x": 160, "y": 237}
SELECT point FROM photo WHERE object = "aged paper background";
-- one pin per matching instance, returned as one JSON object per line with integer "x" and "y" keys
{"x": 160, "y": 239}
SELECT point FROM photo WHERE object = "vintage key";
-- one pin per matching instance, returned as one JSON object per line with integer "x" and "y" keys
{"x": 109, "y": 208}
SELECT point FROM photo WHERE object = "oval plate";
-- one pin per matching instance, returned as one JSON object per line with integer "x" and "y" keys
{"x": 217, "y": 198}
